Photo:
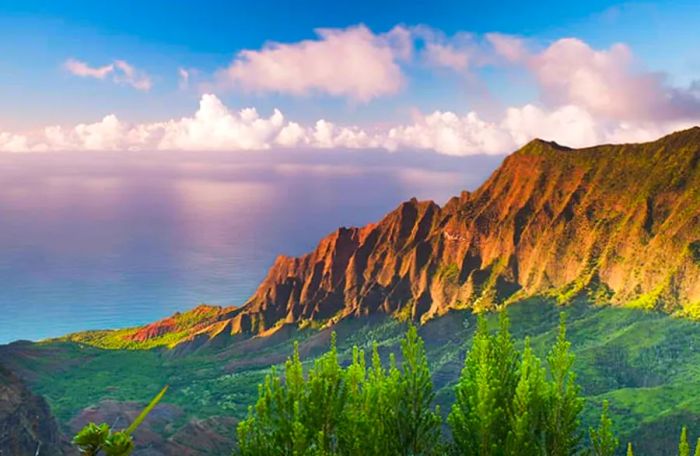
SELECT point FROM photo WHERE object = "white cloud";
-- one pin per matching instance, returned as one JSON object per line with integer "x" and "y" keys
{"x": 10, "y": 142}
{"x": 215, "y": 127}
{"x": 609, "y": 83}
{"x": 569, "y": 125}
{"x": 351, "y": 62}
{"x": 122, "y": 72}
{"x": 127, "y": 74}
{"x": 448, "y": 133}
{"x": 82, "y": 69}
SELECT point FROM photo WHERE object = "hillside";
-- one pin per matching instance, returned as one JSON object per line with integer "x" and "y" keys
{"x": 26, "y": 423}
{"x": 644, "y": 363}
{"x": 618, "y": 224}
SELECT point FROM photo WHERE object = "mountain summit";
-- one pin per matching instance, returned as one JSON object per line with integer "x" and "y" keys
{"x": 619, "y": 224}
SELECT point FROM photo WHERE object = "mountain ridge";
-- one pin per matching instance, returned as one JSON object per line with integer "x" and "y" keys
{"x": 619, "y": 223}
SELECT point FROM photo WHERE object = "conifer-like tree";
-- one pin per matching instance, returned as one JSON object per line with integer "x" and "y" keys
{"x": 697, "y": 448}
{"x": 482, "y": 415}
{"x": 683, "y": 445}
{"x": 336, "y": 411}
{"x": 603, "y": 438}
{"x": 527, "y": 410}
{"x": 564, "y": 404}
{"x": 415, "y": 425}
{"x": 473, "y": 417}
{"x": 629, "y": 449}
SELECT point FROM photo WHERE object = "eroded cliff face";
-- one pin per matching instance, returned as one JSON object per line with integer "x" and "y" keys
{"x": 620, "y": 223}
{"x": 26, "y": 424}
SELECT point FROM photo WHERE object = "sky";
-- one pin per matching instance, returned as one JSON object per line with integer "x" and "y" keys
{"x": 451, "y": 77}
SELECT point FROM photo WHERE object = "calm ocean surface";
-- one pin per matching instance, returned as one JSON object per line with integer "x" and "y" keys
{"x": 118, "y": 239}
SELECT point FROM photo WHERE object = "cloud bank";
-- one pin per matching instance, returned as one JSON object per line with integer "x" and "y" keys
{"x": 215, "y": 127}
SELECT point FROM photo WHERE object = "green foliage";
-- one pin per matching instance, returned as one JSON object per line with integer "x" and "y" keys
{"x": 683, "y": 445}
{"x": 629, "y": 449}
{"x": 93, "y": 438}
{"x": 482, "y": 413}
{"x": 564, "y": 404}
{"x": 144, "y": 413}
{"x": 505, "y": 397}
{"x": 346, "y": 411}
{"x": 528, "y": 410}
{"x": 603, "y": 438}
{"x": 414, "y": 423}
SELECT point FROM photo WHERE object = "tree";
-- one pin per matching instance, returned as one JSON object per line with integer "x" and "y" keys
{"x": 506, "y": 404}
{"x": 473, "y": 416}
{"x": 603, "y": 439}
{"x": 629, "y": 449}
{"x": 527, "y": 418}
{"x": 697, "y": 448}
{"x": 415, "y": 424}
{"x": 481, "y": 416}
{"x": 300, "y": 415}
{"x": 564, "y": 403}
{"x": 683, "y": 445}
{"x": 333, "y": 410}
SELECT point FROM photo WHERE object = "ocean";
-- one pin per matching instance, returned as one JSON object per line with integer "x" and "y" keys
{"x": 116, "y": 239}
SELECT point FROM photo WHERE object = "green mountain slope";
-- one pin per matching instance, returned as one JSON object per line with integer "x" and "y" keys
{"x": 646, "y": 363}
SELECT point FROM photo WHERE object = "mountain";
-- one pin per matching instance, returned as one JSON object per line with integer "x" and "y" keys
{"x": 26, "y": 424}
{"x": 620, "y": 222}
{"x": 617, "y": 223}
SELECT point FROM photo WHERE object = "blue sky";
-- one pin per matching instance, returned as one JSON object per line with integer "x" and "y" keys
{"x": 159, "y": 38}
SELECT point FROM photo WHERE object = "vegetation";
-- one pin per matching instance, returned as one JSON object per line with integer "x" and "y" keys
{"x": 507, "y": 403}
{"x": 346, "y": 411}
{"x": 650, "y": 382}
{"x": 603, "y": 439}
{"x": 93, "y": 438}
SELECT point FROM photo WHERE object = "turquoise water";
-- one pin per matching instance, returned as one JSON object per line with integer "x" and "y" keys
{"x": 116, "y": 239}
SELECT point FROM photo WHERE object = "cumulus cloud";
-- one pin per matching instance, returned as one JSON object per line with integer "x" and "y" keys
{"x": 351, "y": 62}
{"x": 215, "y": 127}
{"x": 10, "y": 142}
{"x": 608, "y": 83}
{"x": 122, "y": 72}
